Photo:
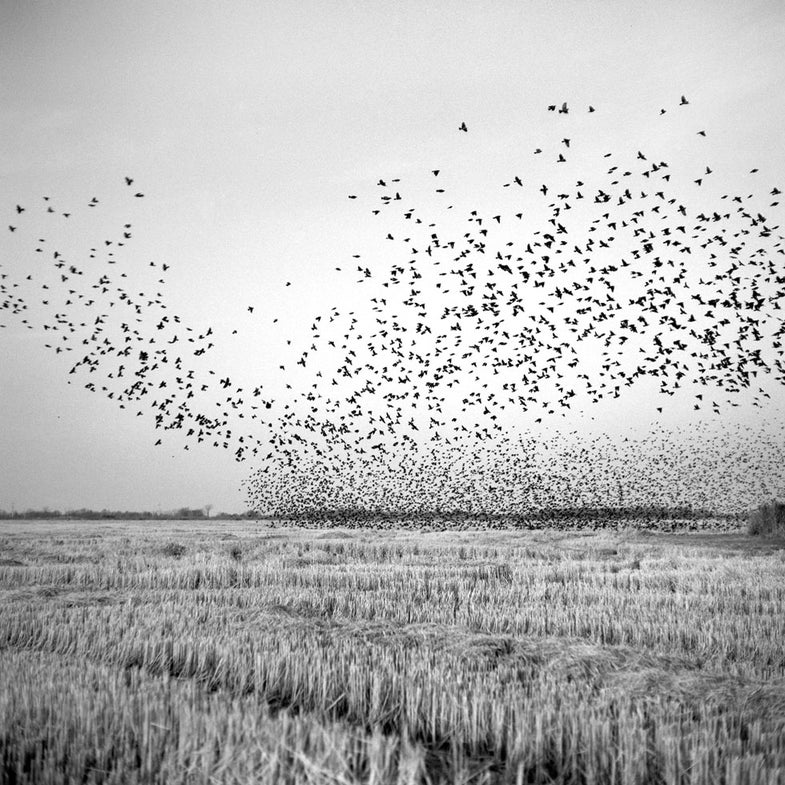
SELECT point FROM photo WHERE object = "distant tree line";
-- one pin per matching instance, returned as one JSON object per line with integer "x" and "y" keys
{"x": 180, "y": 514}
{"x": 640, "y": 512}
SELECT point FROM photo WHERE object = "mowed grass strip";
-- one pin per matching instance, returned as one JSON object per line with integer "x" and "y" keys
{"x": 595, "y": 660}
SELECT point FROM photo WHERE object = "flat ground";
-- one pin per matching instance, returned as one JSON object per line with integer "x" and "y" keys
{"x": 236, "y": 652}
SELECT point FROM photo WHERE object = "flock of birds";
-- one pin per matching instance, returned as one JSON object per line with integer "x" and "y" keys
{"x": 409, "y": 398}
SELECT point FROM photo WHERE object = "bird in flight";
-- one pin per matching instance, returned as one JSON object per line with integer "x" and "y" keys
{"x": 493, "y": 273}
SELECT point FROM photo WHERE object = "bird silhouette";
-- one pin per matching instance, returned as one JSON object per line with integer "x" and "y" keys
{"x": 619, "y": 276}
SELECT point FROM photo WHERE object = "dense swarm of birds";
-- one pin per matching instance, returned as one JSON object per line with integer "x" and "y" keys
{"x": 407, "y": 399}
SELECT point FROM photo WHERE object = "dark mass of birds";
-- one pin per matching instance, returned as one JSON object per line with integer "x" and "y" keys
{"x": 407, "y": 399}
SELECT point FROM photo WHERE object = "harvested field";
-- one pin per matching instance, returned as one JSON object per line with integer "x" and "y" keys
{"x": 215, "y": 652}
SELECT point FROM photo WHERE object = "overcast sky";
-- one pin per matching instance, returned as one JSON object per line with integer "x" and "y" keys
{"x": 247, "y": 124}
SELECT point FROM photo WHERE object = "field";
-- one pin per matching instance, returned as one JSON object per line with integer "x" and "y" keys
{"x": 236, "y": 652}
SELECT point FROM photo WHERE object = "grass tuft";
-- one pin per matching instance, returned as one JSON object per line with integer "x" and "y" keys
{"x": 175, "y": 549}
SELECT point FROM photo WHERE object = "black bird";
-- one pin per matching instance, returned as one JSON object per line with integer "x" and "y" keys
{"x": 395, "y": 394}
{"x": 462, "y": 127}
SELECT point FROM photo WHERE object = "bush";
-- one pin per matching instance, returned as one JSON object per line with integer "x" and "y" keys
{"x": 767, "y": 519}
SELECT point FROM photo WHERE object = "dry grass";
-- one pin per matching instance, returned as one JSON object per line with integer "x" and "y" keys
{"x": 259, "y": 655}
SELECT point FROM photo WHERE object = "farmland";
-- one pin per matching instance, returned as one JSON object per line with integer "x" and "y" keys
{"x": 204, "y": 652}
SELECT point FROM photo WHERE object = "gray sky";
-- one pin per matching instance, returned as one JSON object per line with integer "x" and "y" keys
{"x": 246, "y": 125}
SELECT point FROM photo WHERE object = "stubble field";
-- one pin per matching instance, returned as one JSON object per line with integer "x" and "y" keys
{"x": 235, "y": 652}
